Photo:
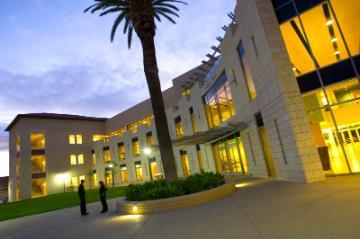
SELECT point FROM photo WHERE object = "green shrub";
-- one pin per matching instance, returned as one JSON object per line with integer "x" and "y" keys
{"x": 161, "y": 189}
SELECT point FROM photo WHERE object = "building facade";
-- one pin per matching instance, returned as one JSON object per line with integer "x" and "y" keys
{"x": 278, "y": 98}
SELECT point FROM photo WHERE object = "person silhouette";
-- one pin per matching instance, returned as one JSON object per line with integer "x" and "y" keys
{"x": 102, "y": 192}
{"x": 81, "y": 192}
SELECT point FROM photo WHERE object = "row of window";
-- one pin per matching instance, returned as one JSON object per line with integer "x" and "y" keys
{"x": 121, "y": 149}
{"x": 133, "y": 126}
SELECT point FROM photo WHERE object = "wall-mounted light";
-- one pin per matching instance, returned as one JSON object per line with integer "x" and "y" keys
{"x": 337, "y": 52}
{"x": 334, "y": 39}
{"x": 329, "y": 22}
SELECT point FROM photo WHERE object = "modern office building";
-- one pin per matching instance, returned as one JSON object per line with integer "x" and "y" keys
{"x": 279, "y": 97}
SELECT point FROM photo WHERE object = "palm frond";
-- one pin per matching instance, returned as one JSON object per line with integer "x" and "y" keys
{"x": 128, "y": 9}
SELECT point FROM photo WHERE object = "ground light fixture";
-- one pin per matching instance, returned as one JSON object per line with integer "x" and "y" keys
{"x": 241, "y": 185}
{"x": 135, "y": 209}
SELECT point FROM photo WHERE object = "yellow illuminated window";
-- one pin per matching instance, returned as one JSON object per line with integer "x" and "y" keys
{"x": 121, "y": 150}
{"x": 73, "y": 159}
{"x": 72, "y": 139}
{"x": 136, "y": 146}
{"x": 107, "y": 155}
{"x": 37, "y": 141}
{"x": 80, "y": 159}
{"x": 139, "y": 171}
{"x": 149, "y": 138}
{"x": 186, "y": 92}
{"x": 245, "y": 66}
{"x": 193, "y": 120}
{"x": 124, "y": 174}
{"x": 219, "y": 105}
{"x": 185, "y": 163}
{"x": 79, "y": 139}
{"x": 93, "y": 156}
{"x": 179, "y": 128}
{"x": 18, "y": 143}
{"x": 38, "y": 163}
{"x": 82, "y": 177}
{"x": 74, "y": 181}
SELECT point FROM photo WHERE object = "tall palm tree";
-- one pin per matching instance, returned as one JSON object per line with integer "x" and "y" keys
{"x": 139, "y": 16}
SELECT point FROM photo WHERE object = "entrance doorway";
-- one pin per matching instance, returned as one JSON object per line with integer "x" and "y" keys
{"x": 230, "y": 156}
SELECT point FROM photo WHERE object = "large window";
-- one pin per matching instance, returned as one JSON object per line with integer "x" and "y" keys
{"x": 219, "y": 103}
{"x": 37, "y": 141}
{"x": 314, "y": 41}
{"x": 139, "y": 171}
{"x": 136, "y": 146}
{"x": 107, "y": 155}
{"x": 193, "y": 120}
{"x": 124, "y": 174}
{"x": 185, "y": 163}
{"x": 121, "y": 151}
{"x": 245, "y": 66}
{"x": 179, "y": 127}
{"x": 76, "y": 159}
{"x": 149, "y": 138}
{"x": 75, "y": 139}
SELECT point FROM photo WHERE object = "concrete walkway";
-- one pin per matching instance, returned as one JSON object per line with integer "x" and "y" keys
{"x": 260, "y": 209}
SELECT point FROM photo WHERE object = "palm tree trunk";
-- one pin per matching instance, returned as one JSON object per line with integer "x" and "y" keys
{"x": 157, "y": 102}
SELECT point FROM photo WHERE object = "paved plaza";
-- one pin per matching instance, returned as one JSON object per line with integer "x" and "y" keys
{"x": 261, "y": 208}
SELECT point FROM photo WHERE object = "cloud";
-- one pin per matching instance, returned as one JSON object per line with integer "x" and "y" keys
{"x": 56, "y": 59}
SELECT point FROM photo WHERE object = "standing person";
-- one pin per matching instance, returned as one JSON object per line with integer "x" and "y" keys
{"x": 81, "y": 192}
{"x": 102, "y": 192}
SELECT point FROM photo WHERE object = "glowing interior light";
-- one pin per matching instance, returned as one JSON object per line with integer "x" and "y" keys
{"x": 329, "y": 22}
{"x": 324, "y": 101}
{"x": 334, "y": 39}
{"x": 135, "y": 208}
{"x": 337, "y": 52}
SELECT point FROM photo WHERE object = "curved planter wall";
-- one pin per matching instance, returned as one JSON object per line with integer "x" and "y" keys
{"x": 153, "y": 206}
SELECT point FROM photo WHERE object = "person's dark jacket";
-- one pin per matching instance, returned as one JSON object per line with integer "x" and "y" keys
{"x": 103, "y": 191}
{"x": 81, "y": 192}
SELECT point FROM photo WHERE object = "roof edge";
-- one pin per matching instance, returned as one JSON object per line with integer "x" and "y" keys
{"x": 52, "y": 116}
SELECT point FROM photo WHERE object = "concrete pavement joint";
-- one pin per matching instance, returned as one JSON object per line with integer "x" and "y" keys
{"x": 248, "y": 216}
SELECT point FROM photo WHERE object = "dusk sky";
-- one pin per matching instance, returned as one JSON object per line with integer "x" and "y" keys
{"x": 54, "y": 58}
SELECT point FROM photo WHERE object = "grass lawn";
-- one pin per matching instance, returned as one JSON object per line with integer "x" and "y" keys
{"x": 52, "y": 203}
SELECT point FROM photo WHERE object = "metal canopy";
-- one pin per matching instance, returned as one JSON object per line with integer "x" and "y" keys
{"x": 210, "y": 135}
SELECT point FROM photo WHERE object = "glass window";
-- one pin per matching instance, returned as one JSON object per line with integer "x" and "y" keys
{"x": 179, "y": 127}
{"x": 124, "y": 174}
{"x": 93, "y": 157}
{"x": 72, "y": 139}
{"x": 245, "y": 66}
{"x": 139, "y": 171}
{"x": 82, "y": 177}
{"x": 193, "y": 120}
{"x": 136, "y": 146}
{"x": 121, "y": 150}
{"x": 80, "y": 159}
{"x": 185, "y": 163}
{"x": 74, "y": 181}
{"x": 107, "y": 155}
{"x": 200, "y": 159}
{"x": 18, "y": 143}
{"x": 73, "y": 159}
{"x": 149, "y": 138}
{"x": 37, "y": 141}
{"x": 79, "y": 139}
{"x": 219, "y": 105}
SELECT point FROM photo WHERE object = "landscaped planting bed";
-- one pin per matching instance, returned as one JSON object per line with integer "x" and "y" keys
{"x": 162, "y": 189}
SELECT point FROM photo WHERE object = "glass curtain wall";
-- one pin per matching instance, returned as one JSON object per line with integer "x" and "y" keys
{"x": 323, "y": 45}
{"x": 219, "y": 104}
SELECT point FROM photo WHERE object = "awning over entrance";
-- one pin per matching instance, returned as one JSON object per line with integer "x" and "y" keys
{"x": 210, "y": 135}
